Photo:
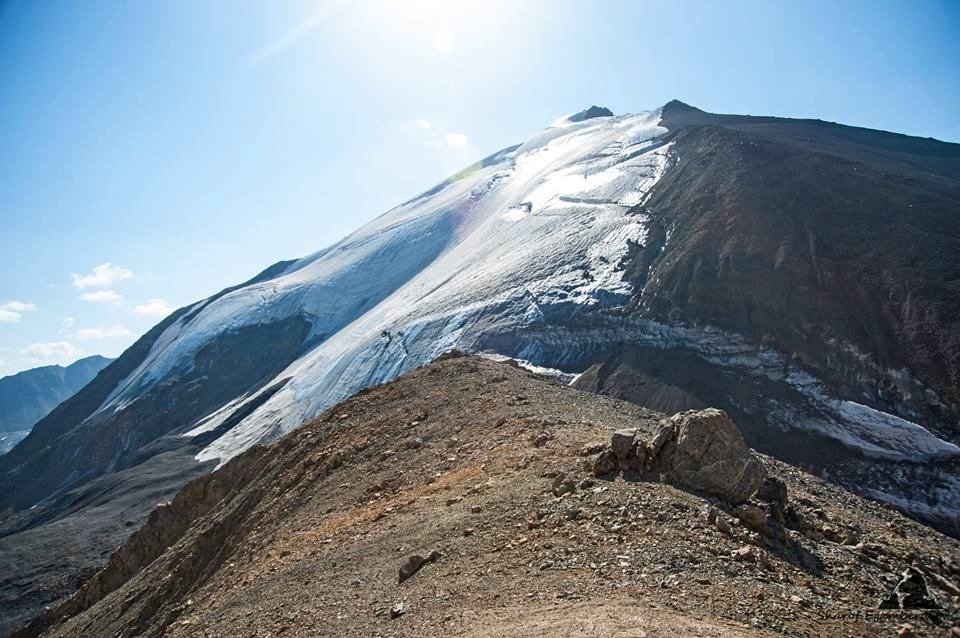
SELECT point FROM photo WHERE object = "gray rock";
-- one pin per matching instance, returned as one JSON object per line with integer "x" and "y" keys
{"x": 709, "y": 513}
{"x": 605, "y": 464}
{"x": 772, "y": 490}
{"x": 704, "y": 451}
{"x": 621, "y": 441}
{"x": 414, "y": 563}
{"x": 562, "y": 485}
{"x": 722, "y": 525}
{"x": 754, "y": 518}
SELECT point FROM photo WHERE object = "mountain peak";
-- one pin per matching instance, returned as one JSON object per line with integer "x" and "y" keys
{"x": 590, "y": 113}
{"x": 677, "y": 105}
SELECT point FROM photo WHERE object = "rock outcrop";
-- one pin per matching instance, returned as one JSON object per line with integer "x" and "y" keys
{"x": 698, "y": 449}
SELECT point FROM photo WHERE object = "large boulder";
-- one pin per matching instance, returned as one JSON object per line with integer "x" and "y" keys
{"x": 704, "y": 451}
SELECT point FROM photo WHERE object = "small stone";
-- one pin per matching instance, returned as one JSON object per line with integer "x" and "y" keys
{"x": 907, "y": 631}
{"x": 454, "y": 500}
{"x": 754, "y": 518}
{"x": 414, "y": 563}
{"x": 542, "y": 439}
{"x": 744, "y": 554}
{"x": 398, "y": 610}
{"x": 562, "y": 485}
{"x": 722, "y": 525}
{"x": 593, "y": 448}
{"x": 475, "y": 509}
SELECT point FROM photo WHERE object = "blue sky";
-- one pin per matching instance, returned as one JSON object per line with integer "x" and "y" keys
{"x": 156, "y": 152}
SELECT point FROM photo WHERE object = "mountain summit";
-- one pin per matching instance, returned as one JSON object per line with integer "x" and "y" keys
{"x": 800, "y": 275}
{"x": 592, "y": 112}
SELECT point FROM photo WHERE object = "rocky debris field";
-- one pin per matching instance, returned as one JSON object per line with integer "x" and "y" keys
{"x": 473, "y": 498}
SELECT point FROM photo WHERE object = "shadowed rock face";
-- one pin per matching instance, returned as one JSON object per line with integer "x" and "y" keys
{"x": 835, "y": 245}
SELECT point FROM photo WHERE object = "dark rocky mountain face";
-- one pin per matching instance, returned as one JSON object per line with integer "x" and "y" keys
{"x": 837, "y": 247}
{"x": 28, "y": 396}
{"x": 801, "y": 275}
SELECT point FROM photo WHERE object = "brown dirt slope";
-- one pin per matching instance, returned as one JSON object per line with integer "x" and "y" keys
{"x": 306, "y": 537}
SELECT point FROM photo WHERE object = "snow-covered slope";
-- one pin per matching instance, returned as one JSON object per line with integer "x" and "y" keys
{"x": 541, "y": 227}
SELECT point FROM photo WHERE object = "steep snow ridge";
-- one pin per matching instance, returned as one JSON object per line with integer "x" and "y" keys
{"x": 370, "y": 264}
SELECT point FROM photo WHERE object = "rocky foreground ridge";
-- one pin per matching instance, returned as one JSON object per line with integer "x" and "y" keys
{"x": 471, "y": 497}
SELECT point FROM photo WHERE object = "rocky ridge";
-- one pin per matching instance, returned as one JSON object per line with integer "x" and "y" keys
{"x": 462, "y": 499}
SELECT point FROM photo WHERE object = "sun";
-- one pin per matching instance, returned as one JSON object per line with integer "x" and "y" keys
{"x": 435, "y": 21}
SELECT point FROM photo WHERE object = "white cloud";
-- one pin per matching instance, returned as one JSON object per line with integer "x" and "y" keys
{"x": 53, "y": 352}
{"x": 13, "y": 310}
{"x": 86, "y": 334}
{"x": 69, "y": 322}
{"x": 103, "y": 275}
{"x": 19, "y": 306}
{"x": 154, "y": 308}
{"x": 438, "y": 136}
{"x": 456, "y": 140}
{"x": 107, "y": 296}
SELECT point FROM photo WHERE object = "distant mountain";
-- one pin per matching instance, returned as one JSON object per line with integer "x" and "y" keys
{"x": 28, "y": 396}
{"x": 802, "y": 275}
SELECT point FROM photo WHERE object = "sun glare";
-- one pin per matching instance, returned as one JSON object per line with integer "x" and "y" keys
{"x": 443, "y": 40}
